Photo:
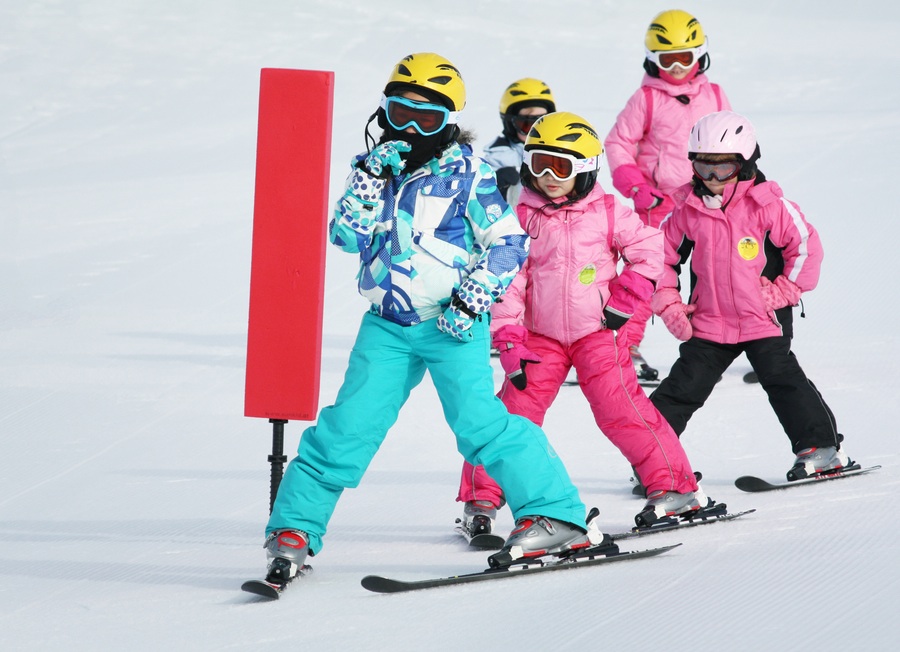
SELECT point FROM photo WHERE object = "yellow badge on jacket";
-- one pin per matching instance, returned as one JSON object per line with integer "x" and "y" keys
{"x": 748, "y": 248}
{"x": 587, "y": 275}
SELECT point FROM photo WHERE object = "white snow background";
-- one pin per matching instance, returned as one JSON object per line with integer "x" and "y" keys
{"x": 133, "y": 491}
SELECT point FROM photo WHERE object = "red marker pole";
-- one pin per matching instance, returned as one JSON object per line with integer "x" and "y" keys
{"x": 287, "y": 274}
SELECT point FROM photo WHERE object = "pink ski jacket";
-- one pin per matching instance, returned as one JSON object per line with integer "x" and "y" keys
{"x": 652, "y": 131}
{"x": 562, "y": 288}
{"x": 758, "y": 233}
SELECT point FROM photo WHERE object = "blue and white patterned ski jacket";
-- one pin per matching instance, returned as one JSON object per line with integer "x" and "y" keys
{"x": 420, "y": 235}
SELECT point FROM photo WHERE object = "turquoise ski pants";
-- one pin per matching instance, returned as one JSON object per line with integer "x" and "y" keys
{"x": 386, "y": 362}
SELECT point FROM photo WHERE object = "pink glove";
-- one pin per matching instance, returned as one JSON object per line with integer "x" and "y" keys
{"x": 631, "y": 182}
{"x": 626, "y": 177}
{"x": 625, "y": 291}
{"x": 510, "y": 341}
{"x": 646, "y": 197}
{"x": 667, "y": 304}
{"x": 779, "y": 294}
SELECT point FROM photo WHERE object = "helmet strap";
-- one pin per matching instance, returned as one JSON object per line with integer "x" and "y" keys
{"x": 368, "y": 138}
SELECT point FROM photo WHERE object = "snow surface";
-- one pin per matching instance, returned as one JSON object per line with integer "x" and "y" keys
{"x": 133, "y": 491}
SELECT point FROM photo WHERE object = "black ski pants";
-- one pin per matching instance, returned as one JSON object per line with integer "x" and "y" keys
{"x": 802, "y": 411}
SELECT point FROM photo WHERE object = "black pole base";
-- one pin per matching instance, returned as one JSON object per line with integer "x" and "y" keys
{"x": 277, "y": 459}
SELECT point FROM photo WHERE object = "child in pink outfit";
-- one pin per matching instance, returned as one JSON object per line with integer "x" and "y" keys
{"x": 564, "y": 306}
{"x": 647, "y": 146}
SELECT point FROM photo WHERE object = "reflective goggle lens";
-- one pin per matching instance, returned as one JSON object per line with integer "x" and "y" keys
{"x": 562, "y": 166}
{"x": 540, "y": 163}
{"x": 523, "y": 123}
{"x": 685, "y": 59}
{"x": 718, "y": 170}
{"x": 424, "y": 117}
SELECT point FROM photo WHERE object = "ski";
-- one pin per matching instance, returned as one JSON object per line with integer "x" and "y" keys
{"x": 754, "y": 485}
{"x": 589, "y": 557}
{"x": 673, "y": 523}
{"x": 478, "y": 533}
{"x": 273, "y": 590}
{"x": 482, "y": 541}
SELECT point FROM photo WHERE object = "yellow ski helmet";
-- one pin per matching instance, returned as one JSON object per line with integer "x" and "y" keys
{"x": 567, "y": 133}
{"x": 675, "y": 37}
{"x": 575, "y": 139}
{"x": 432, "y": 73}
{"x": 674, "y": 30}
{"x": 533, "y": 91}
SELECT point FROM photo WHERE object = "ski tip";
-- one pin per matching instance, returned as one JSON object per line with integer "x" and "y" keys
{"x": 752, "y": 484}
{"x": 261, "y": 589}
{"x": 379, "y": 584}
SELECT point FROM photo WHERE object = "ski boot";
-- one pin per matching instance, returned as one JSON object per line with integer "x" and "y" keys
{"x": 637, "y": 487}
{"x": 815, "y": 461}
{"x": 645, "y": 373}
{"x": 662, "y": 504}
{"x": 286, "y": 551}
{"x": 537, "y": 536}
{"x": 478, "y": 517}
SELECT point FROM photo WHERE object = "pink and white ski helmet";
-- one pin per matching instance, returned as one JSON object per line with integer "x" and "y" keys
{"x": 724, "y": 132}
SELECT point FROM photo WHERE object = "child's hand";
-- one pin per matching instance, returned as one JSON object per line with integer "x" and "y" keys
{"x": 470, "y": 301}
{"x": 667, "y": 304}
{"x": 675, "y": 317}
{"x": 646, "y": 197}
{"x": 779, "y": 294}
{"x": 625, "y": 291}
{"x": 510, "y": 341}
{"x": 384, "y": 160}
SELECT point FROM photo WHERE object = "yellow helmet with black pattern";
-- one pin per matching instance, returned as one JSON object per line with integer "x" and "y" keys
{"x": 565, "y": 132}
{"x": 432, "y": 74}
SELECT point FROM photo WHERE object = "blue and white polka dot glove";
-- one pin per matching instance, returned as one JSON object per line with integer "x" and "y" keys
{"x": 469, "y": 303}
{"x": 384, "y": 160}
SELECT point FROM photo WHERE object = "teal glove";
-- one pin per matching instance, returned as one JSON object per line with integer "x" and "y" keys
{"x": 467, "y": 305}
{"x": 384, "y": 160}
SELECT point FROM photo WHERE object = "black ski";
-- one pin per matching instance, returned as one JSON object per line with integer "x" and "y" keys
{"x": 380, "y": 584}
{"x": 675, "y": 523}
{"x": 487, "y": 541}
{"x": 754, "y": 485}
{"x": 478, "y": 533}
{"x": 481, "y": 541}
{"x": 272, "y": 590}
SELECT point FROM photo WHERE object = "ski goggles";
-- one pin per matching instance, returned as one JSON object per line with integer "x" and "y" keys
{"x": 523, "y": 123}
{"x": 561, "y": 166}
{"x": 668, "y": 59}
{"x": 425, "y": 117}
{"x": 718, "y": 170}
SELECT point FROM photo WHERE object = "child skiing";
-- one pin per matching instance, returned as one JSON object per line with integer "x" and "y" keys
{"x": 438, "y": 246}
{"x": 646, "y": 146}
{"x": 522, "y": 103}
{"x": 564, "y": 307}
{"x": 752, "y": 255}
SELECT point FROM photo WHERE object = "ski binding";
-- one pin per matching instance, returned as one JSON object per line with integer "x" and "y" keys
{"x": 273, "y": 590}
{"x": 714, "y": 514}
